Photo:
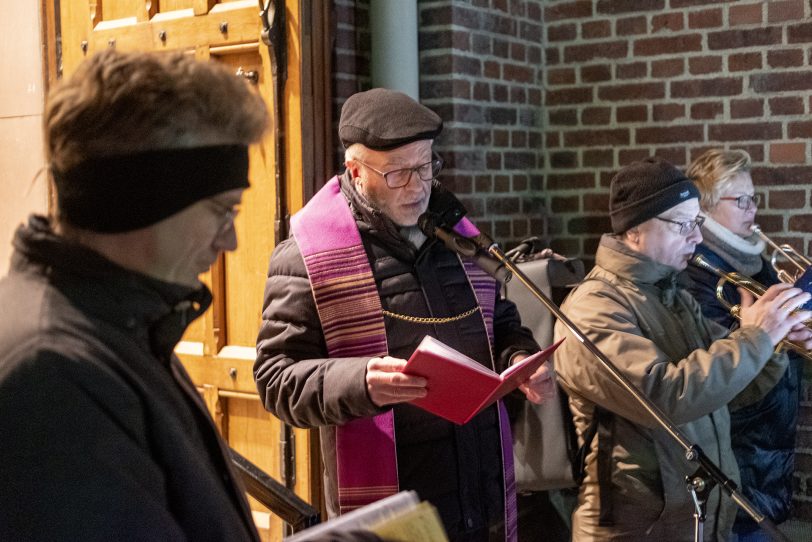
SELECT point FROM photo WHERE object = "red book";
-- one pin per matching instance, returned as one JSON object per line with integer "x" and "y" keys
{"x": 459, "y": 387}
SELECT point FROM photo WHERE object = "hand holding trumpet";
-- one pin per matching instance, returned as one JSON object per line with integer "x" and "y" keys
{"x": 776, "y": 312}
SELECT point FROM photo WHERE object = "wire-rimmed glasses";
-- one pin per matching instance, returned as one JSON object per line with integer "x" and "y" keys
{"x": 398, "y": 178}
{"x": 685, "y": 227}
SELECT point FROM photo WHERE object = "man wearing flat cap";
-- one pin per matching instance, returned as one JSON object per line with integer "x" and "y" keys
{"x": 351, "y": 295}
{"x": 631, "y": 306}
{"x": 103, "y": 436}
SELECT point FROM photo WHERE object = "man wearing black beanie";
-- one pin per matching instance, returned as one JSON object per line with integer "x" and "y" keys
{"x": 631, "y": 306}
{"x": 351, "y": 296}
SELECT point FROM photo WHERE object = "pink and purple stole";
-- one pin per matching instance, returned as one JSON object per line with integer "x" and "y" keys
{"x": 351, "y": 316}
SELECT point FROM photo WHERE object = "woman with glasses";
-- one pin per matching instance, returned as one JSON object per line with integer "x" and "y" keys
{"x": 763, "y": 432}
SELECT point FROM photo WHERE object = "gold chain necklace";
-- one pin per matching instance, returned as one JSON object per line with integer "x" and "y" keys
{"x": 423, "y": 320}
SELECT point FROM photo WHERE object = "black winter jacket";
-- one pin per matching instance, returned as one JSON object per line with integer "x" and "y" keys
{"x": 102, "y": 434}
{"x": 763, "y": 433}
{"x": 457, "y": 468}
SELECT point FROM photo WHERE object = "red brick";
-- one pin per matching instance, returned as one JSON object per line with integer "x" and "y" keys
{"x": 706, "y": 110}
{"x": 667, "y": 68}
{"x": 748, "y": 108}
{"x": 798, "y": 222}
{"x": 564, "y": 204}
{"x": 596, "y": 29}
{"x": 562, "y": 32}
{"x": 595, "y": 73}
{"x": 704, "y": 88}
{"x": 667, "y": 112}
{"x": 492, "y": 70}
{"x": 633, "y": 70}
{"x": 598, "y": 158}
{"x": 667, "y": 21}
{"x": 594, "y": 138}
{"x": 786, "y": 58}
{"x": 632, "y": 113}
{"x": 587, "y": 52}
{"x": 704, "y": 64}
{"x": 518, "y": 51}
{"x": 596, "y": 202}
{"x": 519, "y": 73}
{"x": 627, "y": 156}
{"x": 669, "y": 134}
{"x": 744, "y": 131}
{"x": 744, "y": 62}
{"x": 708, "y": 18}
{"x": 630, "y": 26}
{"x": 632, "y": 91}
{"x": 670, "y": 45}
{"x": 561, "y": 76}
{"x": 589, "y": 224}
{"x": 787, "y": 199}
{"x": 785, "y": 10}
{"x": 756, "y": 151}
{"x": 563, "y": 160}
{"x": 788, "y": 153}
{"x": 752, "y": 37}
{"x": 574, "y": 95}
{"x": 614, "y": 7}
{"x": 786, "y": 105}
{"x": 747, "y": 14}
{"x": 552, "y": 56}
{"x": 568, "y": 10}
{"x": 570, "y": 180}
{"x": 799, "y": 129}
{"x": 552, "y": 140}
{"x": 596, "y": 115}
{"x": 799, "y": 33}
{"x": 675, "y": 155}
{"x": 777, "y": 82}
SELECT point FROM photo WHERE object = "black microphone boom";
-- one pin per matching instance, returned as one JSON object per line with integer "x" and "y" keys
{"x": 430, "y": 224}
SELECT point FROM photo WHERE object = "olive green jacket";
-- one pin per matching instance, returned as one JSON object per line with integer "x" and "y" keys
{"x": 632, "y": 308}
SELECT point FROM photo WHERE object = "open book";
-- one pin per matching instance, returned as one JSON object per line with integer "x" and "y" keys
{"x": 459, "y": 387}
{"x": 399, "y": 518}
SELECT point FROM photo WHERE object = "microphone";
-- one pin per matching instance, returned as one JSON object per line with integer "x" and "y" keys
{"x": 432, "y": 226}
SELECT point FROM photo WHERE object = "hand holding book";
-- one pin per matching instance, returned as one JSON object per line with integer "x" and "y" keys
{"x": 458, "y": 387}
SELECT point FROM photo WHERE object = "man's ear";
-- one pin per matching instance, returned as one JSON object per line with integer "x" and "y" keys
{"x": 633, "y": 235}
{"x": 353, "y": 168}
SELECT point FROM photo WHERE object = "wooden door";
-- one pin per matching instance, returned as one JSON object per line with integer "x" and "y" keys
{"x": 218, "y": 350}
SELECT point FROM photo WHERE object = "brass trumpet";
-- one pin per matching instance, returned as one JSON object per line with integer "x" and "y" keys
{"x": 752, "y": 286}
{"x": 793, "y": 258}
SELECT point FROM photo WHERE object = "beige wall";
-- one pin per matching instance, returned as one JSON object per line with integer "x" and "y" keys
{"x": 21, "y": 107}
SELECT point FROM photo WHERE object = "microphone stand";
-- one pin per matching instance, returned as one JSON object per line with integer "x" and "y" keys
{"x": 707, "y": 475}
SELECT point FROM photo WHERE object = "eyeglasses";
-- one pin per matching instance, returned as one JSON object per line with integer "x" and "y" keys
{"x": 398, "y": 178}
{"x": 227, "y": 215}
{"x": 744, "y": 202}
{"x": 685, "y": 227}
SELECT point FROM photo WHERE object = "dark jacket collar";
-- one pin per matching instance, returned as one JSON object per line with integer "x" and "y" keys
{"x": 107, "y": 291}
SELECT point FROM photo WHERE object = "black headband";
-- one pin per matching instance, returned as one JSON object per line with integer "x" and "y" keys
{"x": 115, "y": 194}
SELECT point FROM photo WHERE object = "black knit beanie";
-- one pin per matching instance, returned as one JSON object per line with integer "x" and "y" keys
{"x": 383, "y": 119}
{"x": 643, "y": 190}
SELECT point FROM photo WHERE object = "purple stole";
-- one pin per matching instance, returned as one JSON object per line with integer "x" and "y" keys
{"x": 351, "y": 316}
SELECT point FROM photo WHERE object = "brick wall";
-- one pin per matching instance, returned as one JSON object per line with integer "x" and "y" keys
{"x": 629, "y": 79}
{"x": 351, "y": 59}
{"x": 480, "y": 69}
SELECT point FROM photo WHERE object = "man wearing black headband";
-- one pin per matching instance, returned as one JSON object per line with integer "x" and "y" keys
{"x": 351, "y": 295}
{"x": 102, "y": 434}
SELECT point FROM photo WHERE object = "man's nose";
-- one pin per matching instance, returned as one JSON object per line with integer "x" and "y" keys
{"x": 226, "y": 240}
